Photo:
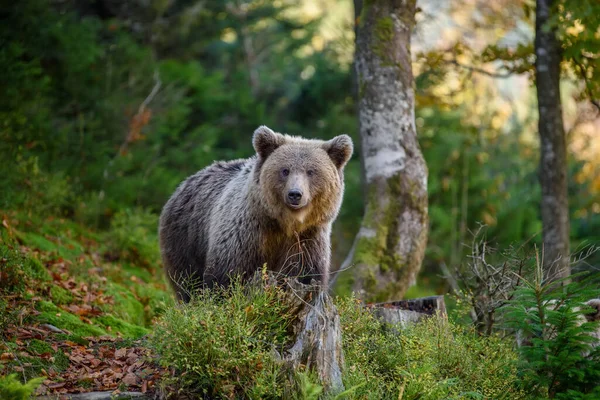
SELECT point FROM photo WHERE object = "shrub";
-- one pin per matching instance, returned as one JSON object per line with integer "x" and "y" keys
{"x": 558, "y": 360}
{"x": 224, "y": 342}
{"x": 12, "y": 389}
{"x": 434, "y": 359}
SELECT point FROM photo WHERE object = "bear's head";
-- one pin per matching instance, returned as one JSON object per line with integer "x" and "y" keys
{"x": 301, "y": 180}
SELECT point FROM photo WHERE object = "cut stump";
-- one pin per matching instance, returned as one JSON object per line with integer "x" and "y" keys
{"x": 317, "y": 332}
{"x": 407, "y": 312}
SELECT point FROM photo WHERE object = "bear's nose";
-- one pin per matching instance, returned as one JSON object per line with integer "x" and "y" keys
{"x": 294, "y": 196}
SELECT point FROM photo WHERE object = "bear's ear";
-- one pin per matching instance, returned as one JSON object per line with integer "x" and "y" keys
{"x": 340, "y": 150}
{"x": 265, "y": 141}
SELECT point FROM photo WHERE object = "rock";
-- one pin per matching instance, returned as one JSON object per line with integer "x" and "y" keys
{"x": 52, "y": 328}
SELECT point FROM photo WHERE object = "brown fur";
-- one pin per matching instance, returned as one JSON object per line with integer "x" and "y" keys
{"x": 232, "y": 217}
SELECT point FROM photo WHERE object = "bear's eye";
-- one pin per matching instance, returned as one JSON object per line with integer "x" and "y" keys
{"x": 310, "y": 172}
{"x": 285, "y": 172}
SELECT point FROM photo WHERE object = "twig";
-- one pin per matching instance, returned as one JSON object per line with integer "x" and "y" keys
{"x": 480, "y": 70}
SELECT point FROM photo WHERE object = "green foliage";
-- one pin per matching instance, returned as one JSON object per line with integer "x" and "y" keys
{"x": 557, "y": 357}
{"x": 50, "y": 314}
{"x": 60, "y": 296}
{"x": 577, "y": 25}
{"x": 468, "y": 186}
{"x": 16, "y": 270}
{"x": 223, "y": 343}
{"x": 133, "y": 236}
{"x": 431, "y": 360}
{"x": 12, "y": 389}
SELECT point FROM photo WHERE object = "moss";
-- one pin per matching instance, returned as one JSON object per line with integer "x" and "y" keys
{"x": 60, "y": 296}
{"x": 367, "y": 251}
{"x": 37, "y": 270}
{"x": 37, "y": 241}
{"x": 376, "y": 253}
{"x": 123, "y": 327}
{"x": 73, "y": 338}
{"x": 50, "y": 314}
{"x": 383, "y": 40}
{"x": 128, "y": 271}
{"x": 155, "y": 301}
{"x": 61, "y": 361}
{"x": 34, "y": 365}
{"x": 61, "y": 245}
{"x": 38, "y": 347}
{"x": 125, "y": 305}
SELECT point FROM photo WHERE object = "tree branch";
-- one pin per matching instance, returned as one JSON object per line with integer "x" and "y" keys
{"x": 480, "y": 70}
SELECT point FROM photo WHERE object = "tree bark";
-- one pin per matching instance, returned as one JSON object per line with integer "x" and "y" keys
{"x": 553, "y": 158}
{"x": 388, "y": 250}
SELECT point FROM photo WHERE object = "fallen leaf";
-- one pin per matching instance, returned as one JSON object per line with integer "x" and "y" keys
{"x": 130, "y": 380}
{"x": 120, "y": 353}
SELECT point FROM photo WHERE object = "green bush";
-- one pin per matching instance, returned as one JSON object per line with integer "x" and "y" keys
{"x": 12, "y": 389}
{"x": 223, "y": 343}
{"x": 557, "y": 358}
{"x": 435, "y": 359}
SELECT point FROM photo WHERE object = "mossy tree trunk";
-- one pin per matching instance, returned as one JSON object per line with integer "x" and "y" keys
{"x": 553, "y": 157}
{"x": 388, "y": 250}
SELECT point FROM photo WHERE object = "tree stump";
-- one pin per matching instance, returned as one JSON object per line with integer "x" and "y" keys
{"x": 318, "y": 334}
{"x": 406, "y": 312}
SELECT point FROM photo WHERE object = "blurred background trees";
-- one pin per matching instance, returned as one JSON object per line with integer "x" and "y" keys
{"x": 108, "y": 105}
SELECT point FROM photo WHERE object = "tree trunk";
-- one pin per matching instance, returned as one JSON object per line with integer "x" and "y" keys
{"x": 389, "y": 248}
{"x": 553, "y": 159}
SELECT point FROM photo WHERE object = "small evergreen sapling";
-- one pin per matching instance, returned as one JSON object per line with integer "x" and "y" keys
{"x": 560, "y": 353}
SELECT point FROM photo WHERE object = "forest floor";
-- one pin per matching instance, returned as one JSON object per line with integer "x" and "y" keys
{"x": 75, "y": 309}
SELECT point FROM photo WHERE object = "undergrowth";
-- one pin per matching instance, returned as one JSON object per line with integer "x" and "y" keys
{"x": 228, "y": 345}
{"x": 58, "y": 273}
{"x": 435, "y": 359}
{"x": 12, "y": 389}
{"x": 560, "y": 353}
{"x": 224, "y": 343}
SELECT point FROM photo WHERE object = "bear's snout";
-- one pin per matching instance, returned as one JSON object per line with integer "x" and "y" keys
{"x": 294, "y": 197}
{"x": 296, "y": 193}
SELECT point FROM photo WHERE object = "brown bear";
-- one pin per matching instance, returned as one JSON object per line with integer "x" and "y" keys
{"x": 275, "y": 208}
